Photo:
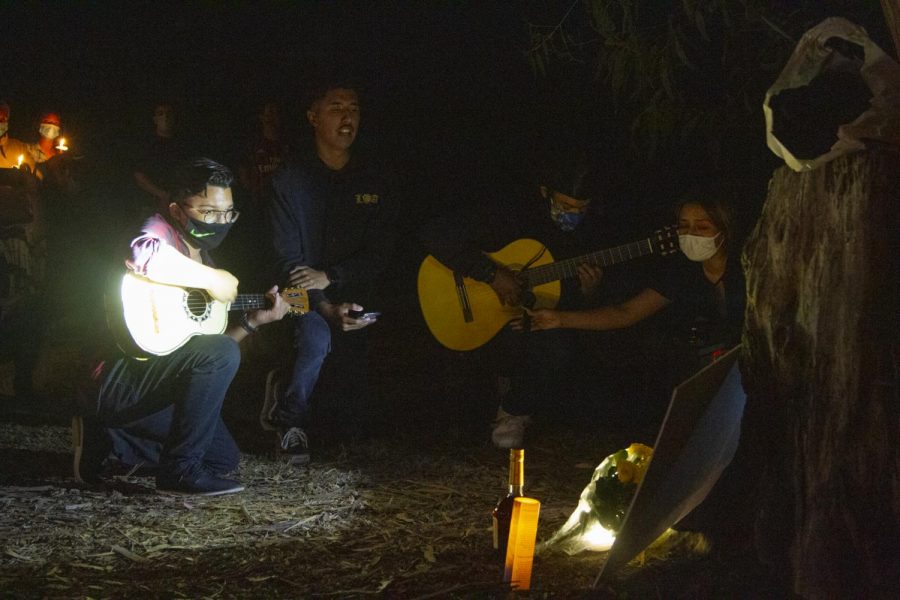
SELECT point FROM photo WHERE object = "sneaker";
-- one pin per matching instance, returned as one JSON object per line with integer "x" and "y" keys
{"x": 274, "y": 390}
{"x": 509, "y": 430}
{"x": 294, "y": 444}
{"x": 203, "y": 484}
{"x": 91, "y": 445}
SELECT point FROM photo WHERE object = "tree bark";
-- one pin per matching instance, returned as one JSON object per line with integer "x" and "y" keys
{"x": 891, "y": 10}
{"x": 821, "y": 362}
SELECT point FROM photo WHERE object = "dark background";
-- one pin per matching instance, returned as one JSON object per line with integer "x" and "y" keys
{"x": 449, "y": 97}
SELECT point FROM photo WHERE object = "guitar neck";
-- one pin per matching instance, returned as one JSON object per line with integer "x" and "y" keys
{"x": 249, "y": 302}
{"x": 565, "y": 269}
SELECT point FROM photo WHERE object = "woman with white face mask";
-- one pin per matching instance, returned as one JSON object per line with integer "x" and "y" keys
{"x": 49, "y": 129}
{"x": 703, "y": 284}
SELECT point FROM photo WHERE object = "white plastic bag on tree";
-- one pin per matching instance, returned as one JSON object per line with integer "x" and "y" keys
{"x": 837, "y": 91}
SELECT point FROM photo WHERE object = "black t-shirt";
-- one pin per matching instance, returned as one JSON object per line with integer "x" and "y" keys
{"x": 697, "y": 304}
{"x": 159, "y": 159}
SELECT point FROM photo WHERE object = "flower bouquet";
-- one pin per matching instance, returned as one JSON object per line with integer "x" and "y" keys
{"x": 604, "y": 502}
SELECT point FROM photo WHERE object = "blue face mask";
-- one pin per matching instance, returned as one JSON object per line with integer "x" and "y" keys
{"x": 567, "y": 221}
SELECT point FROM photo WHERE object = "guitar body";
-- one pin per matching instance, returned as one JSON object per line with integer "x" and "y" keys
{"x": 443, "y": 297}
{"x": 148, "y": 318}
{"x": 161, "y": 318}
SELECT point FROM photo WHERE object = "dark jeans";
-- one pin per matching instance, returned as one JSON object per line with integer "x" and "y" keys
{"x": 171, "y": 405}
{"x": 539, "y": 365}
{"x": 345, "y": 370}
{"x": 312, "y": 343}
{"x": 141, "y": 443}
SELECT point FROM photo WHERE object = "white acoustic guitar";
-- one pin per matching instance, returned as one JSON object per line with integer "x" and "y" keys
{"x": 157, "y": 319}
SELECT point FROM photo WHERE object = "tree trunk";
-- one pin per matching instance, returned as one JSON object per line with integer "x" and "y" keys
{"x": 822, "y": 355}
{"x": 891, "y": 10}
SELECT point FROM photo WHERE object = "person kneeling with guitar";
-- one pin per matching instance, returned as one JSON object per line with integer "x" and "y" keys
{"x": 165, "y": 407}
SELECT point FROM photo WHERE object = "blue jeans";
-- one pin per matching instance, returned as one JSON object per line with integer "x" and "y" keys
{"x": 312, "y": 343}
{"x": 171, "y": 405}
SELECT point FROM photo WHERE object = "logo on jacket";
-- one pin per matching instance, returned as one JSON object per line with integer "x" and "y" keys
{"x": 366, "y": 198}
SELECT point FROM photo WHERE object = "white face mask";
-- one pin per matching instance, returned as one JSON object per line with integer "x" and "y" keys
{"x": 697, "y": 247}
{"x": 49, "y": 131}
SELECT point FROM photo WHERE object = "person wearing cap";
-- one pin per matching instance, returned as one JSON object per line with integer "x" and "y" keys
{"x": 45, "y": 148}
{"x": 560, "y": 209}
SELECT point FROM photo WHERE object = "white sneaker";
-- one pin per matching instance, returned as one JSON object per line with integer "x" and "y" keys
{"x": 509, "y": 430}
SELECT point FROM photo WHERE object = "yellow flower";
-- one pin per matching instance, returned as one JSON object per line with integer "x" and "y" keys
{"x": 625, "y": 471}
{"x": 640, "y": 450}
{"x": 639, "y": 470}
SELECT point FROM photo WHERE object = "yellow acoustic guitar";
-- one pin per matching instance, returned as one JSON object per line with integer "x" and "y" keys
{"x": 157, "y": 319}
{"x": 464, "y": 314}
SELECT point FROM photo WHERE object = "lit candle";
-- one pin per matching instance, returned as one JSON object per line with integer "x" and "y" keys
{"x": 21, "y": 158}
{"x": 62, "y": 145}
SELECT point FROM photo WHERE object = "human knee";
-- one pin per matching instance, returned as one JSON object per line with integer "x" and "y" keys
{"x": 312, "y": 334}
{"x": 219, "y": 349}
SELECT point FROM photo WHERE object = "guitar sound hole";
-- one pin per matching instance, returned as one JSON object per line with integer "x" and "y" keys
{"x": 196, "y": 303}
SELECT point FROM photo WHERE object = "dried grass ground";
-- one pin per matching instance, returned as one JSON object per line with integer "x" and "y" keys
{"x": 371, "y": 519}
{"x": 374, "y": 519}
{"x": 404, "y": 514}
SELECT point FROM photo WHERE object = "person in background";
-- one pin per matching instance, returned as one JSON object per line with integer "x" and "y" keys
{"x": 49, "y": 129}
{"x": 21, "y": 273}
{"x": 164, "y": 411}
{"x": 250, "y": 260}
{"x": 13, "y": 153}
{"x": 161, "y": 154}
{"x": 267, "y": 151}
{"x": 333, "y": 220}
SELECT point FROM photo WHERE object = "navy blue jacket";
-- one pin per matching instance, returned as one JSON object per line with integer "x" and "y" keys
{"x": 341, "y": 222}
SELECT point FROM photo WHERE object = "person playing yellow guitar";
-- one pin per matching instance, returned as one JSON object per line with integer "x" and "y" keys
{"x": 559, "y": 216}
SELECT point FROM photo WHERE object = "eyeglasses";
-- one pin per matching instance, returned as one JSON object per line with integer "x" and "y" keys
{"x": 216, "y": 216}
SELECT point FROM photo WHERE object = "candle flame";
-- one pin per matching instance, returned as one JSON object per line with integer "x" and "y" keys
{"x": 62, "y": 145}
{"x": 21, "y": 158}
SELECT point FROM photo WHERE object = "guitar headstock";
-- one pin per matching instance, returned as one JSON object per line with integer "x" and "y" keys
{"x": 665, "y": 240}
{"x": 297, "y": 298}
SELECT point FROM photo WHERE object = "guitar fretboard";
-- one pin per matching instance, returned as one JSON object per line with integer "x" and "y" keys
{"x": 249, "y": 302}
{"x": 565, "y": 269}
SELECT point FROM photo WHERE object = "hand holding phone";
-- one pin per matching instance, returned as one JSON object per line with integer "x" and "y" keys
{"x": 362, "y": 315}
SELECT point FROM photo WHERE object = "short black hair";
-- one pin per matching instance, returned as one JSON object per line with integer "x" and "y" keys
{"x": 318, "y": 88}
{"x": 569, "y": 173}
{"x": 191, "y": 177}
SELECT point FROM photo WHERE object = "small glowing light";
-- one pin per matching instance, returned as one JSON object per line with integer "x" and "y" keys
{"x": 21, "y": 158}
{"x": 597, "y": 538}
{"x": 62, "y": 145}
